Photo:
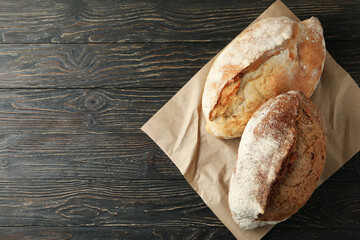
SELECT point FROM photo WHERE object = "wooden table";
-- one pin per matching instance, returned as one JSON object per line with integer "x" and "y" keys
{"x": 79, "y": 78}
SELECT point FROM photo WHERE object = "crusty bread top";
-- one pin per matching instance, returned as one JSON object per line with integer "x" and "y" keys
{"x": 277, "y": 136}
{"x": 302, "y": 167}
{"x": 244, "y": 50}
{"x": 267, "y": 138}
{"x": 271, "y": 57}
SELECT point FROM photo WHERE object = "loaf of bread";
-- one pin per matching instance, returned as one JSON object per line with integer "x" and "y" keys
{"x": 272, "y": 56}
{"x": 281, "y": 157}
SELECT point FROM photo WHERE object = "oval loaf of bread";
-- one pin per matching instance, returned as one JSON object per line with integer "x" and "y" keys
{"x": 281, "y": 157}
{"x": 272, "y": 56}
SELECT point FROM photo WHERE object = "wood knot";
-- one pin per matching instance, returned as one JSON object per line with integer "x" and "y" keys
{"x": 150, "y": 169}
{"x": 94, "y": 102}
{"x": 150, "y": 157}
{"x": 85, "y": 212}
{"x": 4, "y": 162}
{"x": 8, "y": 140}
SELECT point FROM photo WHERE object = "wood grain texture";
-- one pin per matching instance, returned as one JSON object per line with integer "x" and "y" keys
{"x": 151, "y": 203}
{"x": 102, "y": 202}
{"x": 157, "y": 21}
{"x": 89, "y": 65}
{"x": 88, "y": 156}
{"x": 84, "y": 156}
{"x": 79, "y": 110}
{"x": 77, "y": 81}
{"x": 313, "y": 234}
{"x": 159, "y": 65}
{"x": 105, "y": 233}
{"x": 82, "y": 134}
{"x": 164, "y": 233}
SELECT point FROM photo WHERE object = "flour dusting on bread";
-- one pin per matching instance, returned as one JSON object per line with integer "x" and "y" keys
{"x": 280, "y": 159}
{"x": 246, "y": 48}
{"x": 271, "y": 57}
{"x": 260, "y": 157}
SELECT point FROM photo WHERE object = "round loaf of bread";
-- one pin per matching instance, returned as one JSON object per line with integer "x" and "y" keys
{"x": 281, "y": 157}
{"x": 272, "y": 56}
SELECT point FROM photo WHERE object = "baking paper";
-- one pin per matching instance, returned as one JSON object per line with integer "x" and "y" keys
{"x": 208, "y": 162}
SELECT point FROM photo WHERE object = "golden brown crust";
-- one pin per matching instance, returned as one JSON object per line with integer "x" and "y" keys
{"x": 311, "y": 56}
{"x": 295, "y": 64}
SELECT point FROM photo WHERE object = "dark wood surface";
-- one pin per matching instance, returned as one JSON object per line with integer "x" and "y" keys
{"x": 77, "y": 81}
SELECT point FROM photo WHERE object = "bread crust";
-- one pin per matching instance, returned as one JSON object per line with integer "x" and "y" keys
{"x": 271, "y": 57}
{"x": 281, "y": 157}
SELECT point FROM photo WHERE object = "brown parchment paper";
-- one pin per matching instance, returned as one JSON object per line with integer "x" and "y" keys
{"x": 207, "y": 162}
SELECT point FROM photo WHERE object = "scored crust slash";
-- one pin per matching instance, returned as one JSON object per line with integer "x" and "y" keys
{"x": 258, "y": 89}
{"x": 271, "y": 57}
{"x": 280, "y": 159}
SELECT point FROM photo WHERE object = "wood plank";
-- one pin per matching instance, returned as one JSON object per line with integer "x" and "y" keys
{"x": 49, "y": 133}
{"x": 330, "y": 204}
{"x": 110, "y": 156}
{"x": 76, "y": 133}
{"x": 181, "y": 233}
{"x": 83, "y": 156}
{"x": 79, "y": 110}
{"x": 341, "y": 53}
{"x": 81, "y": 134}
{"x": 99, "y": 65}
{"x": 305, "y": 233}
{"x": 159, "y": 65}
{"x": 157, "y": 21}
{"x": 103, "y": 202}
{"x": 127, "y": 232}
{"x": 151, "y": 203}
